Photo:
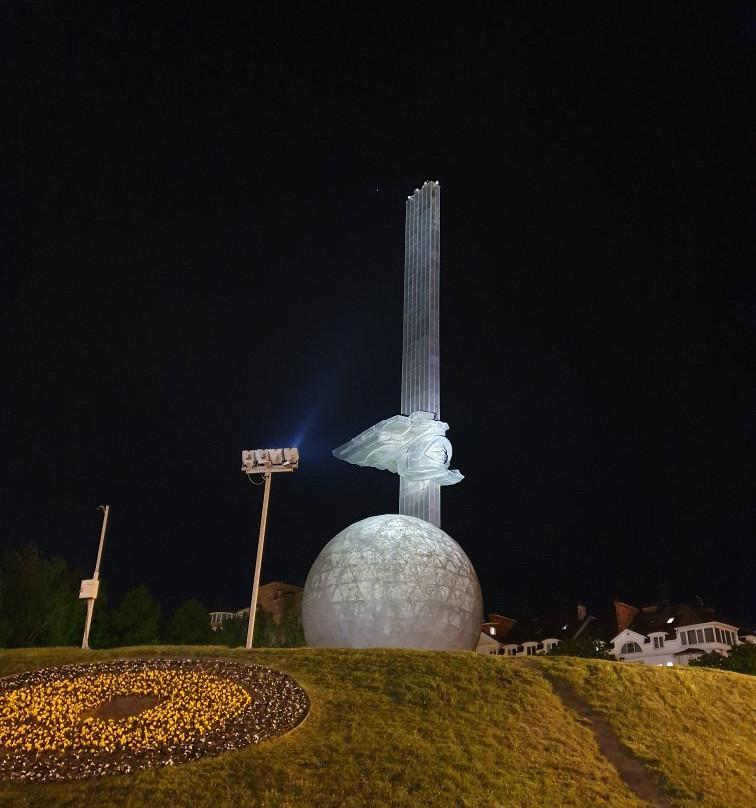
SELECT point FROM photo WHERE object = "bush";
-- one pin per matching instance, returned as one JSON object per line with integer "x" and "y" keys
{"x": 584, "y": 647}
{"x": 742, "y": 659}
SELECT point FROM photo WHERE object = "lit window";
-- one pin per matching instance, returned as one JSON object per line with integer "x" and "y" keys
{"x": 670, "y": 620}
{"x": 492, "y": 630}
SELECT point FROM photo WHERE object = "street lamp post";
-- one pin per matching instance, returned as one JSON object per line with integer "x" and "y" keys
{"x": 90, "y": 586}
{"x": 265, "y": 462}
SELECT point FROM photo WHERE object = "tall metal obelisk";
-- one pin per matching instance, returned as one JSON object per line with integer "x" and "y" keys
{"x": 413, "y": 443}
{"x": 421, "y": 389}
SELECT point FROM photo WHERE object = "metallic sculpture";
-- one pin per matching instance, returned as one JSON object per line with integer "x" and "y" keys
{"x": 420, "y": 473}
{"x": 413, "y": 447}
{"x": 398, "y": 580}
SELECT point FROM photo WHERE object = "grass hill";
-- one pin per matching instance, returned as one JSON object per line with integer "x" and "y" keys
{"x": 413, "y": 728}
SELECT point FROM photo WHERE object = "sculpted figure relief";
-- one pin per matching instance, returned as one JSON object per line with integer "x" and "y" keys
{"x": 412, "y": 446}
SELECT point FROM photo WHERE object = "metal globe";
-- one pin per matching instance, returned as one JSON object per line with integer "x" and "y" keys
{"x": 392, "y": 581}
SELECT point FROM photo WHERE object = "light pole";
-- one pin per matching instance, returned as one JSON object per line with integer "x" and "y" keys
{"x": 90, "y": 586}
{"x": 265, "y": 462}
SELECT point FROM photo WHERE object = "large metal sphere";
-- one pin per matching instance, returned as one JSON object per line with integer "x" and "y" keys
{"x": 392, "y": 581}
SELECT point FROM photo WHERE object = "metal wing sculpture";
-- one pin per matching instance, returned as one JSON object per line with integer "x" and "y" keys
{"x": 414, "y": 447}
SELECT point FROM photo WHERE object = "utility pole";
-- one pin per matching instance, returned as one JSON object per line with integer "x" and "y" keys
{"x": 265, "y": 462}
{"x": 90, "y": 586}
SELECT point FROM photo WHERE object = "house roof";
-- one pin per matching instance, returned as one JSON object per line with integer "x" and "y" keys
{"x": 667, "y": 618}
{"x": 537, "y": 629}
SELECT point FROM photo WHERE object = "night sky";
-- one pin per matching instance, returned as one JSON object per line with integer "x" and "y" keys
{"x": 202, "y": 251}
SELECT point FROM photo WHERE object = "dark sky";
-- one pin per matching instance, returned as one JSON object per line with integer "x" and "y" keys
{"x": 202, "y": 251}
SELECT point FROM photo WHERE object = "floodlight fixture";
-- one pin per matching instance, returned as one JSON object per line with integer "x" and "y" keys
{"x": 261, "y": 461}
{"x": 265, "y": 462}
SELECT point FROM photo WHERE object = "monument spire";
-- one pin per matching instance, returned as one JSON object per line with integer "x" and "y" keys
{"x": 421, "y": 389}
{"x": 412, "y": 444}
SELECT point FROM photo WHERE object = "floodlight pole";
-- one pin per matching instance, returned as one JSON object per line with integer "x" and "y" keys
{"x": 265, "y": 462}
{"x": 258, "y": 562}
{"x": 90, "y": 601}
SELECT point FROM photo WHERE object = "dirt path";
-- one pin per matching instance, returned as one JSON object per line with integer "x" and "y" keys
{"x": 629, "y": 768}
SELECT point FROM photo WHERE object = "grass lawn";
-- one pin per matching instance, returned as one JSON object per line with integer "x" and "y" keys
{"x": 414, "y": 728}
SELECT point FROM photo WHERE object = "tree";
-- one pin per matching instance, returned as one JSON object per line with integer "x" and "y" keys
{"x": 584, "y": 647}
{"x": 233, "y": 632}
{"x": 741, "y": 659}
{"x": 264, "y": 628}
{"x": 189, "y": 625}
{"x": 288, "y": 633}
{"x": 39, "y": 603}
{"x": 136, "y": 620}
{"x": 101, "y": 633}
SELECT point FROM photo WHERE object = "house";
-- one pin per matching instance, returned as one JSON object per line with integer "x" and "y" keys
{"x": 276, "y": 598}
{"x": 536, "y": 635}
{"x": 217, "y": 618}
{"x": 670, "y": 635}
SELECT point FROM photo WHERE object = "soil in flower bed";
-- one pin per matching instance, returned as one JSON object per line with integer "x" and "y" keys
{"x": 121, "y": 707}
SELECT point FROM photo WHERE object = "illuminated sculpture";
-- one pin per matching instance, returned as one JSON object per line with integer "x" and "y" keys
{"x": 413, "y": 447}
{"x": 398, "y": 580}
{"x": 392, "y": 580}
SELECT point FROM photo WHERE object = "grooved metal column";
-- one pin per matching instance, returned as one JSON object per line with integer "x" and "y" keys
{"x": 421, "y": 389}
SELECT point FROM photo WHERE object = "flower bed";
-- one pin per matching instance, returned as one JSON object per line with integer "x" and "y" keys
{"x": 88, "y": 720}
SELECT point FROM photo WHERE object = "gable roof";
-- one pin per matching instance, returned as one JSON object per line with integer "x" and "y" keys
{"x": 667, "y": 618}
{"x": 538, "y": 629}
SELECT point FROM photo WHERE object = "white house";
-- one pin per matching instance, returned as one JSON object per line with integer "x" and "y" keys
{"x": 670, "y": 635}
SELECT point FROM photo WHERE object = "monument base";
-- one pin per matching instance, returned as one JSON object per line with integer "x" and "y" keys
{"x": 392, "y": 581}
